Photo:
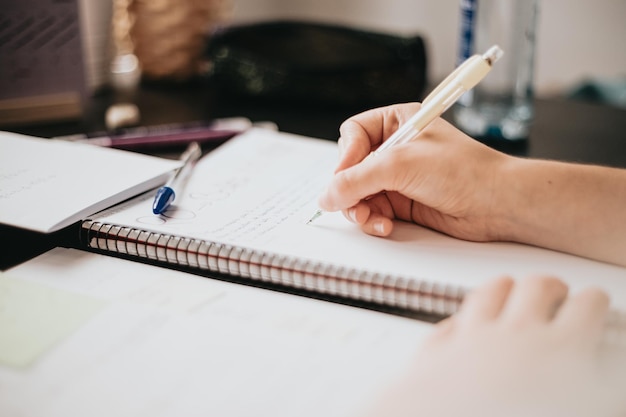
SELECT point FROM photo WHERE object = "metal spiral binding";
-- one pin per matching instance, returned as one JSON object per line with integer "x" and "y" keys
{"x": 336, "y": 280}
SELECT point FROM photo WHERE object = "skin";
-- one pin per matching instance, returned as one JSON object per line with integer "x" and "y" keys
{"x": 449, "y": 182}
{"x": 516, "y": 349}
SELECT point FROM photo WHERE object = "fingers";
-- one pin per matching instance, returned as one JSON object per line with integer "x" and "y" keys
{"x": 539, "y": 299}
{"x": 426, "y": 171}
{"x": 582, "y": 317}
{"x": 534, "y": 299}
{"x": 353, "y": 184}
{"x": 354, "y": 144}
{"x": 442, "y": 331}
{"x": 486, "y": 302}
{"x": 371, "y": 222}
{"x": 358, "y": 214}
{"x": 378, "y": 225}
{"x": 362, "y": 133}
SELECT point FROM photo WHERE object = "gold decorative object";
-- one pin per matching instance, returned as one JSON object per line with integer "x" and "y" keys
{"x": 166, "y": 36}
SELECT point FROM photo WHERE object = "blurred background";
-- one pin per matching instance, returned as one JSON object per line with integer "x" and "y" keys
{"x": 579, "y": 42}
{"x": 577, "y": 39}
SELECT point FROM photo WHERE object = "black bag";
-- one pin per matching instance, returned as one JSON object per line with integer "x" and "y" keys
{"x": 316, "y": 63}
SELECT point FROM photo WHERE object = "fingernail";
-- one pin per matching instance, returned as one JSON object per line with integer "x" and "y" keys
{"x": 379, "y": 227}
{"x": 352, "y": 214}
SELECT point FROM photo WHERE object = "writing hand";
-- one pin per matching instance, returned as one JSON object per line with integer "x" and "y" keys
{"x": 443, "y": 180}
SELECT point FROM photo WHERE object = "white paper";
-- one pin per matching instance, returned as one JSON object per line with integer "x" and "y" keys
{"x": 259, "y": 190}
{"x": 46, "y": 184}
{"x": 168, "y": 343}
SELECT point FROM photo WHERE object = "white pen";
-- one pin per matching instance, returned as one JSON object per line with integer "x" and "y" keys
{"x": 166, "y": 194}
{"x": 461, "y": 80}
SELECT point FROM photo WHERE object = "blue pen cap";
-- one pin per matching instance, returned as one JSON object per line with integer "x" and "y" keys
{"x": 162, "y": 200}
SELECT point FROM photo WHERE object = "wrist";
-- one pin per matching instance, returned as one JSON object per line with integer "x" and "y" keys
{"x": 512, "y": 212}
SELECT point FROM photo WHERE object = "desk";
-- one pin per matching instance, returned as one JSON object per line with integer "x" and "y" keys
{"x": 563, "y": 130}
{"x": 245, "y": 348}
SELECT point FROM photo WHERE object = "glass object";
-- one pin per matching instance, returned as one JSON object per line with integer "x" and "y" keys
{"x": 501, "y": 106}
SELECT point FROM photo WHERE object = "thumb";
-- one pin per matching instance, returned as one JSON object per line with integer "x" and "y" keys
{"x": 356, "y": 183}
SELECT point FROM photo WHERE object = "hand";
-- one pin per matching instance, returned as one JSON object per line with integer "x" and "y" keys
{"x": 449, "y": 182}
{"x": 522, "y": 349}
{"x": 444, "y": 180}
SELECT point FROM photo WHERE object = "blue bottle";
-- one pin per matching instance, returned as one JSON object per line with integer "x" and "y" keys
{"x": 500, "y": 107}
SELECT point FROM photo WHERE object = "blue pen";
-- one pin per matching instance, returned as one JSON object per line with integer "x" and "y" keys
{"x": 166, "y": 194}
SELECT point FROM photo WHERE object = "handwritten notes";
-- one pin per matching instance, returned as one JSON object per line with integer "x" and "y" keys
{"x": 258, "y": 191}
{"x": 46, "y": 184}
{"x": 223, "y": 200}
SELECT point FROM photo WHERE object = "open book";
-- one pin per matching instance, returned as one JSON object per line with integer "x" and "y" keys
{"x": 47, "y": 184}
{"x": 244, "y": 213}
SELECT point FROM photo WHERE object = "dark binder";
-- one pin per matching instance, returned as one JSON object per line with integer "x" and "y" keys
{"x": 317, "y": 63}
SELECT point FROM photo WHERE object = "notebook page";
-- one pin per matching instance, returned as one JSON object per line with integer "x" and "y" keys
{"x": 165, "y": 343}
{"x": 259, "y": 190}
{"x": 46, "y": 184}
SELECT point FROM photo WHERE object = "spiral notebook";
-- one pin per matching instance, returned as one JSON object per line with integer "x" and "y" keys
{"x": 244, "y": 211}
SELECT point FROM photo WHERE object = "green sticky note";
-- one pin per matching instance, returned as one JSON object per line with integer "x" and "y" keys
{"x": 34, "y": 317}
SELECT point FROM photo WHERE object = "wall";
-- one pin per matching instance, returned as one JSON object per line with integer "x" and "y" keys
{"x": 577, "y": 39}
{"x": 96, "y": 32}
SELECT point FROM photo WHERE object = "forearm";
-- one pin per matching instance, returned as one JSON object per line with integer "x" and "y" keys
{"x": 579, "y": 209}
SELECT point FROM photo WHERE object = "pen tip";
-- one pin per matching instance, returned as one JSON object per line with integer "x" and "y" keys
{"x": 317, "y": 214}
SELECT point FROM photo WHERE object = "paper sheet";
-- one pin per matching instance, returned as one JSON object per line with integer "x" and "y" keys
{"x": 167, "y": 344}
{"x": 46, "y": 184}
{"x": 34, "y": 317}
{"x": 259, "y": 190}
